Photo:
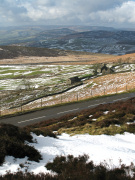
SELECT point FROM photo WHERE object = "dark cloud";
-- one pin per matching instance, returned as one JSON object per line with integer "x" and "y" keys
{"x": 86, "y": 12}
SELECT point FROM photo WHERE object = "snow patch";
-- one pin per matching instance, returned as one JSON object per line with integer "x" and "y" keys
{"x": 99, "y": 148}
{"x": 106, "y": 112}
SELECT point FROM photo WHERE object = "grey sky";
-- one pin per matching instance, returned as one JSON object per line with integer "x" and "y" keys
{"x": 117, "y": 13}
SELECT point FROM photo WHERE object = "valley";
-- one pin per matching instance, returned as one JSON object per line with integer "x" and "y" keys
{"x": 67, "y": 90}
{"x": 34, "y": 77}
{"x": 99, "y": 107}
{"x": 32, "y": 85}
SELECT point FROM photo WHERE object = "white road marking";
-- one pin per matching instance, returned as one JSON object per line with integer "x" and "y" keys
{"x": 120, "y": 99}
{"x": 68, "y": 111}
{"x": 31, "y": 119}
{"x": 108, "y": 102}
{"x": 94, "y": 105}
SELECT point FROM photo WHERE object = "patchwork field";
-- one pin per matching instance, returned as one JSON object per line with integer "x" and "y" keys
{"x": 29, "y": 74}
{"x": 28, "y": 85}
{"x": 11, "y": 77}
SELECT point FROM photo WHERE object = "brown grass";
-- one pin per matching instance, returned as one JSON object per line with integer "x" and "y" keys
{"x": 111, "y": 123}
{"x": 72, "y": 59}
{"x": 69, "y": 59}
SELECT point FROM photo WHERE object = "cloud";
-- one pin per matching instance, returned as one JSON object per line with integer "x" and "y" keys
{"x": 10, "y": 12}
{"x": 125, "y": 13}
{"x": 66, "y": 12}
{"x": 45, "y": 11}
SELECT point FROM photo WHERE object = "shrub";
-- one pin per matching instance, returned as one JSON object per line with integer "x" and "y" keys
{"x": 14, "y": 131}
{"x": 44, "y": 132}
{"x": 78, "y": 168}
{"x": 131, "y": 128}
{"x": 27, "y": 176}
{"x": 106, "y": 122}
{"x": 12, "y": 143}
{"x": 71, "y": 167}
{"x": 2, "y": 152}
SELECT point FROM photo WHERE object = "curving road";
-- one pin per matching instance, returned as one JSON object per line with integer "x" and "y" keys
{"x": 55, "y": 112}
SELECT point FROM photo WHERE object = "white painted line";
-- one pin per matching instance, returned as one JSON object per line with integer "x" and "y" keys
{"x": 68, "y": 111}
{"x": 31, "y": 119}
{"x": 120, "y": 99}
{"x": 94, "y": 105}
{"x": 107, "y": 102}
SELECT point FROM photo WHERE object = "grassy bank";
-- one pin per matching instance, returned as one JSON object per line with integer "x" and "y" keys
{"x": 110, "y": 119}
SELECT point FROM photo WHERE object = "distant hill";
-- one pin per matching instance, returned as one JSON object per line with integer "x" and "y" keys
{"x": 54, "y": 33}
{"x": 106, "y": 42}
{"x": 120, "y": 36}
{"x": 93, "y": 39}
{"x": 10, "y": 52}
{"x": 91, "y": 28}
{"x": 15, "y": 35}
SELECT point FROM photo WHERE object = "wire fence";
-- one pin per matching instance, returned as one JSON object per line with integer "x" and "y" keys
{"x": 66, "y": 98}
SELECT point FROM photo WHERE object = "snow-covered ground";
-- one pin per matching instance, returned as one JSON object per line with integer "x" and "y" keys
{"x": 55, "y": 75}
{"x": 124, "y": 67}
{"x": 94, "y": 87}
{"x": 100, "y": 148}
{"x": 11, "y": 75}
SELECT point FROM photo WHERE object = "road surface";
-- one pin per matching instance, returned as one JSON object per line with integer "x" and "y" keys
{"x": 55, "y": 112}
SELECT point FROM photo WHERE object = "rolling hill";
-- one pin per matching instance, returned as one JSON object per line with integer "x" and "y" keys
{"x": 76, "y": 38}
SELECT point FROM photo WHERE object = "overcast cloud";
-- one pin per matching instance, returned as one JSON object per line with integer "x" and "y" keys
{"x": 119, "y": 13}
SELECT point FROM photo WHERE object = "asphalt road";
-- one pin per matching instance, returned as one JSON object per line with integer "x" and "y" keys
{"x": 55, "y": 112}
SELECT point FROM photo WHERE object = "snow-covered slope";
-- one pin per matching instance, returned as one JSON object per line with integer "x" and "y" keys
{"x": 111, "y": 149}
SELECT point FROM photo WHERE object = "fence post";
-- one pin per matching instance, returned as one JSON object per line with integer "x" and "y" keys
{"x": 104, "y": 91}
{"x": 0, "y": 108}
{"x": 41, "y": 102}
{"x": 61, "y": 99}
{"x": 116, "y": 90}
{"x": 77, "y": 96}
{"x": 21, "y": 108}
{"x": 91, "y": 92}
{"x": 126, "y": 87}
